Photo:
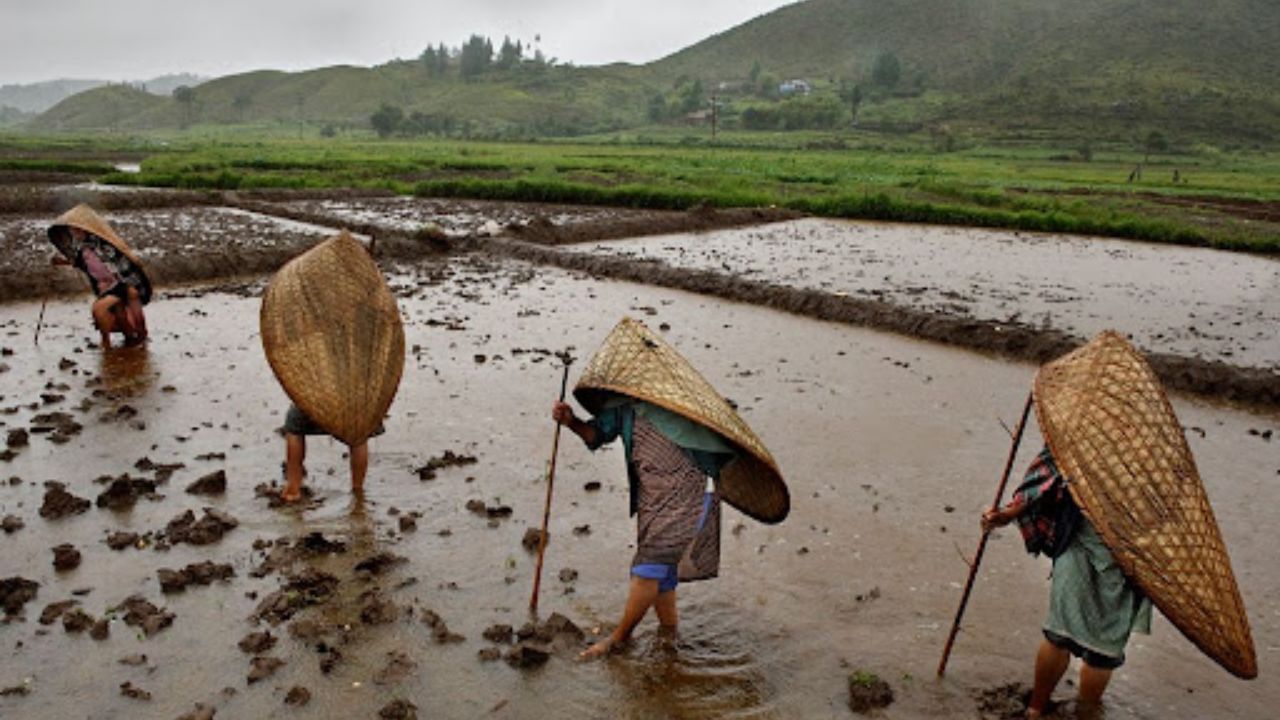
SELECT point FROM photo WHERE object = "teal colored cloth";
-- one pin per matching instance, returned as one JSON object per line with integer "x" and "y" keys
{"x": 616, "y": 420}
{"x": 1091, "y": 601}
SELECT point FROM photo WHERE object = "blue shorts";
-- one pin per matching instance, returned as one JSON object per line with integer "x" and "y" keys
{"x": 666, "y": 575}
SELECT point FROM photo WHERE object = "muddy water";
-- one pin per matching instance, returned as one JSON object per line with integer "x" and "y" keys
{"x": 455, "y": 217}
{"x": 1186, "y": 301}
{"x": 891, "y": 448}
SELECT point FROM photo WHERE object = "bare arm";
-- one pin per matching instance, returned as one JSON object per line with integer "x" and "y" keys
{"x": 995, "y": 518}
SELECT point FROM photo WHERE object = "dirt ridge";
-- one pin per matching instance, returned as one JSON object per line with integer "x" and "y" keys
{"x": 1214, "y": 379}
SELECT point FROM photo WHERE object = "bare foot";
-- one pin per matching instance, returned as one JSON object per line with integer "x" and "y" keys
{"x": 291, "y": 495}
{"x": 604, "y": 647}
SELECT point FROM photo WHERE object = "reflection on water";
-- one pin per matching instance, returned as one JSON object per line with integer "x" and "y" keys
{"x": 126, "y": 371}
{"x": 706, "y": 670}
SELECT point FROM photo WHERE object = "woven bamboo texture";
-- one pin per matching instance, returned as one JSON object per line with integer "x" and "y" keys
{"x": 637, "y": 363}
{"x": 333, "y": 337}
{"x": 1113, "y": 432}
{"x": 83, "y": 217}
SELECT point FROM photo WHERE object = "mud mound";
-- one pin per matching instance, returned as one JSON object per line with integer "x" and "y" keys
{"x": 543, "y": 231}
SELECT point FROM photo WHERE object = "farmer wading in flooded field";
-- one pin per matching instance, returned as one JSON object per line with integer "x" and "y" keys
{"x": 1116, "y": 501}
{"x": 685, "y": 449}
{"x": 332, "y": 333}
{"x": 85, "y": 241}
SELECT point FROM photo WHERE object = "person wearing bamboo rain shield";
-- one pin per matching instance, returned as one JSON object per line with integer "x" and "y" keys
{"x": 1116, "y": 500}
{"x": 685, "y": 448}
{"x": 1093, "y": 607}
{"x": 333, "y": 337}
{"x": 87, "y": 242}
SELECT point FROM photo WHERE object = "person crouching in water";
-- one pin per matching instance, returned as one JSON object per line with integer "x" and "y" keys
{"x": 673, "y": 464}
{"x": 1093, "y": 606}
{"x": 86, "y": 242}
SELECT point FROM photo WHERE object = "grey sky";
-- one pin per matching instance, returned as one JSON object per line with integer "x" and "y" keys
{"x": 137, "y": 39}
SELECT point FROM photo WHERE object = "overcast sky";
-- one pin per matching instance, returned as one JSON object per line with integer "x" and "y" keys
{"x": 138, "y": 39}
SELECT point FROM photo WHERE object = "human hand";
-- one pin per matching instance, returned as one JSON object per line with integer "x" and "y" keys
{"x": 562, "y": 413}
{"x": 994, "y": 518}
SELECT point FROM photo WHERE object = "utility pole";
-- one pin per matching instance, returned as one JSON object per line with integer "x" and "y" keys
{"x": 714, "y": 115}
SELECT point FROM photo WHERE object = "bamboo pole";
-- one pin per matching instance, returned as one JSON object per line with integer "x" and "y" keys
{"x": 982, "y": 543}
{"x": 551, "y": 480}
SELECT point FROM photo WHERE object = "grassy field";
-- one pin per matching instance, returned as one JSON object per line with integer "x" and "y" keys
{"x": 1226, "y": 200}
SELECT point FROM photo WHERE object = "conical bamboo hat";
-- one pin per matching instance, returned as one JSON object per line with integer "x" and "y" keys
{"x": 332, "y": 333}
{"x": 83, "y": 217}
{"x": 637, "y": 363}
{"x": 1112, "y": 430}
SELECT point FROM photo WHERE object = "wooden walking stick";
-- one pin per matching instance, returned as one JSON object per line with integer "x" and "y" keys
{"x": 982, "y": 544}
{"x": 40, "y": 322}
{"x": 551, "y": 480}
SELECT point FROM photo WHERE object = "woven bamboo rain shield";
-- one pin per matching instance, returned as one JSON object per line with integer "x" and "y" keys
{"x": 637, "y": 363}
{"x": 83, "y": 217}
{"x": 1113, "y": 432}
{"x": 333, "y": 337}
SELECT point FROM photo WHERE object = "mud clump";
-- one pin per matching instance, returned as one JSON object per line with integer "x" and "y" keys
{"x": 380, "y": 563}
{"x": 11, "y": 524}
{"x": 304, "y": 589}
{"x": 122, "y": 539}
{"x": 439, "y": 630}
{"x": 16, "y": 592}
{"x": 262, "y": 667}
{"x": 125, "y": 491}
{"x": 76, "y": 621}
{"x": 205, "y": 531}
{"x": 59, "y": 426}
{"x": 163, "y": 471}
{"x": 257, "y": 643}
{"x": 499, "y": 633}
{"x": 58, "y": 503}
{"x": 65, "y": 557}
{"x": 214, "y": 483}
{"x": 399, "y": 710}
{"x": 17, "y": 439}
{"x": 129, "y": 690}
{"x": 139, "y": 613}
{"x": 527, "y": 656}
{"x": 1003, "y": 702}
{"x": 297, "y": 696}
{"x": 532, "y": 538}
{"x": 868, "y": 692}
{"x": 55, "y": 610}
{"x": 447, "y": 460}
{"x": 378, "y": 610}
{"x": 203, "y": 573}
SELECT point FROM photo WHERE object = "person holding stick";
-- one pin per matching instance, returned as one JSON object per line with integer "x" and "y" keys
{"x": 685, "y": 449}
{"x": 1093, "y": 607}
{"x": 1116, "y": 500}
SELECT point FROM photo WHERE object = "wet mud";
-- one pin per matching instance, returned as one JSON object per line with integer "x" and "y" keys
{"x": 1013, "y": 339}
{"x": 335, "y": 597}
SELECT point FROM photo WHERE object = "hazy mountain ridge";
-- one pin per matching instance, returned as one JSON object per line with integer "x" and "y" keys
{"x": 40, "y": 96}
{"x": 1106, "y": 67}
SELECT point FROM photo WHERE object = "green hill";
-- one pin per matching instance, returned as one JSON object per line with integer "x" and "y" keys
{"x": 1207, "y": 68}
{"x": 1079, "y": 68}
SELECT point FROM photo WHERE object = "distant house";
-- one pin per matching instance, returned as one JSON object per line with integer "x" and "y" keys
{"x": 795, "y": 87}
{"x": 698, "y": 117}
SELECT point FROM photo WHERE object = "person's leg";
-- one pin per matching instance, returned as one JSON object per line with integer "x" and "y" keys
{"x": 137, "y": 318}
{"x": 641, "y": 596}
{"x": 1093, "y": 683}
{"x": 1051, "y": 663}
{"x": 665, "y": 607}
{"x": 359, "y": 466}
{"x": 104, "y": 317}
{"x": 295, "y": 456}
